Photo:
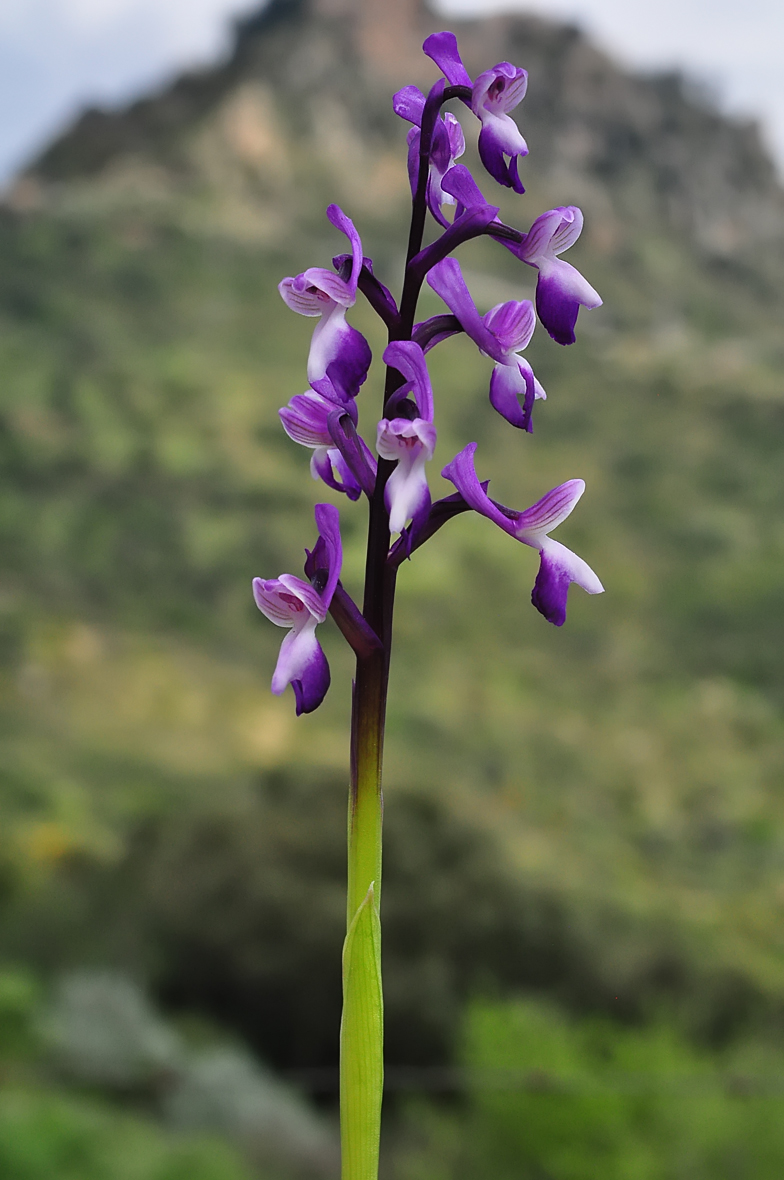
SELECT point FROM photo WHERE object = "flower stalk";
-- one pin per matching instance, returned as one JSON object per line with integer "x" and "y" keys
{"x": 324, "y": 419}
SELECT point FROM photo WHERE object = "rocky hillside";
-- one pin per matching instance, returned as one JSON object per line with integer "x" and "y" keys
{"x": 595, "y": 811}
{"x": 304, "y": 97}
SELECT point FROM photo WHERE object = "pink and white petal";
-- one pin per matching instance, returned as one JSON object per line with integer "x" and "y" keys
{"x": 499, "y": 90}
{"x": 325, "y": 343}
{"x": 512, "y": 323}
{"x": 492, "y": 152}
{"x": 303, "y": 665}
{"x": 560, "y": 291}
{"x": 320, "y": 466}
{"x": 558, "y": 568}
{"x": 407, "y": 494}
{"x": 267, "y": 596}
{"x": 508, "y": 385}
{"x": 505, "y": 132}
{"x": 348, "y": 368}
{"x": 325, "y": 462}
{"x": 569, "y": 230}
{"x": 538, "y": 240}
{"x": 570, "y": 282}
{"x": 397, "y": 438}
{"x": 456, "y": 137}
{"x": 330, "y": 284}
{"x": 305, "y": 300}
{"x": 305, "y": 419}
{"x": 310, "y": 598}
{"x": 539, "y": 393}
{"x": 534, "y": 523}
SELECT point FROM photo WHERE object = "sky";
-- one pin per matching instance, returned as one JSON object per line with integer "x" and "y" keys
{"x": 57, "y": 56}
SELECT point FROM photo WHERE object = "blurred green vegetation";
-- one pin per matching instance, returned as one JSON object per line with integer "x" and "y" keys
{"x": 46, "y": 1135}
{"x": 549, "y": 1096}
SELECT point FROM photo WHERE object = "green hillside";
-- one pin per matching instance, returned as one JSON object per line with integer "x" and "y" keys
{"x": 595, "y": 811}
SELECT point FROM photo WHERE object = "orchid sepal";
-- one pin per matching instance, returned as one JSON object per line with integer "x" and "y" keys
{"x": 558, "y": 567}
{"x": 288, "y": 601}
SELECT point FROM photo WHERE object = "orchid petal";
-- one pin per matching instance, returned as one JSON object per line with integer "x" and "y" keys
{"x": 329, "y": 283}
{"x": 512, "y": 323}
{"x": 507, "y": 384}
{"x": 461, "y": 185}
{"x": 303, "y": 665}
{"x": 409, "y": 104}
{"x": 494, "y": 139}
{"x": 552, "y": 233}
{"x": 462, "y": 473}
{"x": 499, "y": 90}
{"x": 306, "y": 418}
{"x": 560, "y": 290}
{"x": 442, "y": 49}
{"x": 558, "y": 566}
{"x": 411, "y": 443}
{"x": 456, "y": 137}
{"x": 353, "y": 449}
{"x": 328, "y": 550}
{"x": 409, "y": 359}
{"x": 446, "y": 279}
{"x": 346, "y": 226}
{"x": 325, "y": 462}
{"x": 339, "y": 352}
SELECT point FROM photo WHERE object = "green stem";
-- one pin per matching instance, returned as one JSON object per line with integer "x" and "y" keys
{"x": 362, "y": 1026}
{"x": 362, "y": 1029}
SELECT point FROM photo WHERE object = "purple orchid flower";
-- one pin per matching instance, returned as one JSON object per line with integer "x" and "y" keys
{"x": 288, "y": 601}
{"x": 501, "y": 333}
{"x": 409, "y": 440}
{"x": 309, "y": 420}
{"x": 448, "y": 145}
{"x": 558, "y": 566}
{"x": 494, "y": 94}
{"x": 560, "y": 289}
{"x": 338, "y": 353}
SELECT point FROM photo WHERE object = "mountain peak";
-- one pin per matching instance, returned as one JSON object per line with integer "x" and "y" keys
{"x": 303, "y": 107}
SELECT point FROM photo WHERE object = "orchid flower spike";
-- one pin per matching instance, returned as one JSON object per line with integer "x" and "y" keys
{"x": 307, "y": 420}
{"x": 288, "y": 601}
{"x": 560, "y": 289}
{"x": 558, "y": 566}
{"x": 338, "y": 352}
{"x": 501, "y": 334}
{"x": 410, "y": 440}
{"x": 447, "y": 146}
{"x": 494, "y": 94}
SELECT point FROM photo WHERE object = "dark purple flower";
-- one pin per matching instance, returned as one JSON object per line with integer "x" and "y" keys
{"x": 448, "y": 144}
{"x": 558, "y": 566}
{"x": 338, "y": 352}
{"x": 288, "y": 601}
{"x": 560, "y": 289}
{"x": 409, "y": 440}
{"x": 501, "y": 333}
{"x": 493, "y": 95}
